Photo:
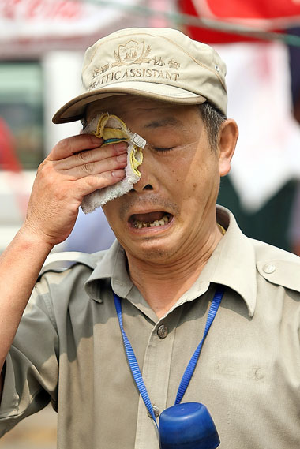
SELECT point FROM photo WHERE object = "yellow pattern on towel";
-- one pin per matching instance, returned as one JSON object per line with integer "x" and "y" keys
{"x": 118, "y": 134}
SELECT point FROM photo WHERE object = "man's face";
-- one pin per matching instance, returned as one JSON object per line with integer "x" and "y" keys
{"x": 171, "y": 210}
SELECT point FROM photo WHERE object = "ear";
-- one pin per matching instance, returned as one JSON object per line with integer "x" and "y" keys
{"x": 228, "y": 137}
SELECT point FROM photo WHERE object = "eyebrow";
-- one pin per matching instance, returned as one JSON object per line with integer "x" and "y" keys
{"x": 164, "y": 122}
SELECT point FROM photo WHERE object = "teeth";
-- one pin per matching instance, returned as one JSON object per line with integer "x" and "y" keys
{"x": 161, "y": 222}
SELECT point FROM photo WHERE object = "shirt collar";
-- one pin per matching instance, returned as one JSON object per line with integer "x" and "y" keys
{"x": 232, "y": 264}
{"x": 112, "y": 265}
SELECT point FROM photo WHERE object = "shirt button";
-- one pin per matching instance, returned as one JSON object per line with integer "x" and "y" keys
{"x": 155, "y": 411}
{"x": 269, "y": 268}
{"x": 162, "y": 331}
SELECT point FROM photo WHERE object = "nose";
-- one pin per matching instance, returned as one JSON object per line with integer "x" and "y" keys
{"x": 142, "y": 184}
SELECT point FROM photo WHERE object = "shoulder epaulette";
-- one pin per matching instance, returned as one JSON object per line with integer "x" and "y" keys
{"x": 278, "y": 266}
{"x": 64, "y": 260}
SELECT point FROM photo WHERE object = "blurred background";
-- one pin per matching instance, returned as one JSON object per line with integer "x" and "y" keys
{"x": 41, "y": 49}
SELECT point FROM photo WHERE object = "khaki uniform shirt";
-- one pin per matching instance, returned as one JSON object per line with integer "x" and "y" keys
{"x": 69, "y": 350}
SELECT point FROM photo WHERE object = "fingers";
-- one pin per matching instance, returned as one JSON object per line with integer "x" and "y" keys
{"x": 103, "y": 165}
{"x": 95, "y": 155}
{"x": 98, "y": 167}
{"x": 90, "y": 162}
{"x": 80, "y": 160}
{"x": 91, "y": 183}
{"x": 76, "y": 167}
{"x": 55, "y": 199}
{"x": 72, "y": 145}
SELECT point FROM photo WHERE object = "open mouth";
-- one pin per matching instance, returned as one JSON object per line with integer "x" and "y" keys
{"x": 151, "y": 219}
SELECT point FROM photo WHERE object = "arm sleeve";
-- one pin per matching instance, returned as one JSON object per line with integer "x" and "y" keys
{"x": 31, "y": 368}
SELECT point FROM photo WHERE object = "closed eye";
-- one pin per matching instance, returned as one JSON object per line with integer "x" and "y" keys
{"x": 159, "y": 149}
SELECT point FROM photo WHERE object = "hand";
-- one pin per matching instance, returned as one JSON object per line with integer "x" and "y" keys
{"x": 76, "y": 167}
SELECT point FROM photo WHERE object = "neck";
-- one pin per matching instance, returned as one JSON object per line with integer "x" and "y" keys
{"x": 162, "y": 284}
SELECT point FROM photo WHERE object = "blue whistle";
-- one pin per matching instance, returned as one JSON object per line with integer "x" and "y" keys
{"x": 187, "y": 426}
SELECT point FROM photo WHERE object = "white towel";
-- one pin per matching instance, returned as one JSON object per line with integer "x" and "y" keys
{"x": 99, "y": 126}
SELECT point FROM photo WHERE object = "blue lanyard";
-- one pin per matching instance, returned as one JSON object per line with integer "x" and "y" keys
{"x": 133, "y": 364}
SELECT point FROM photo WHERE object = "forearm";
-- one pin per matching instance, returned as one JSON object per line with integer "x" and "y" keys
{"x": 19, "y": 268}
{"x": 76, "y": 167}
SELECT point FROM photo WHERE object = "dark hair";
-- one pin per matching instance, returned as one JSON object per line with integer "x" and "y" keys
{"x": 212, "y": 118}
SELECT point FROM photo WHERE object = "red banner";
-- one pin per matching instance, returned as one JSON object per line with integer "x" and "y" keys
{"x": 259, "y": 15}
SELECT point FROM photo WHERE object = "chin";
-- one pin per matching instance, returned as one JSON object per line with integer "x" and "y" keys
{"x": 155, "y": 253}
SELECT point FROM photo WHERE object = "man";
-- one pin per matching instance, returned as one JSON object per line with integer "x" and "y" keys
{"x": 174, "y": 249}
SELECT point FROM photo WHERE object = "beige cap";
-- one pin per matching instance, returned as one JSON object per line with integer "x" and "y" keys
{"x": 159, "y": 63}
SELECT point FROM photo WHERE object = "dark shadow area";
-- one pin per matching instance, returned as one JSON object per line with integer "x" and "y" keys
{"x": 271, "y": 223}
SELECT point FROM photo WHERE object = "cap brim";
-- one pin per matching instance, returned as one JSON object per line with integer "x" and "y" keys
{"x": 74, "y": 109}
